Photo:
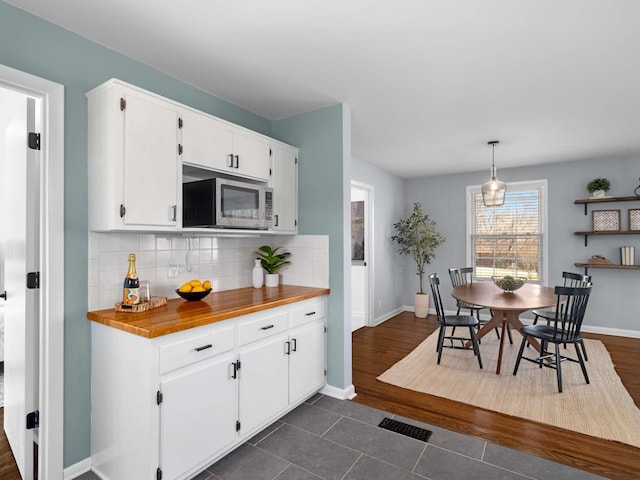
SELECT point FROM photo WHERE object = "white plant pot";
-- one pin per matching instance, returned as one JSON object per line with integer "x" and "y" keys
{"x": 421, "y": 305}
{"x": 271, "y": 279}
{"x": 598, "y": 193}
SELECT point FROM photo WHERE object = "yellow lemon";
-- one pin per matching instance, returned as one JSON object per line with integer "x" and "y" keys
{"x": 185, "y": 288}
{"x": 206, "y": 285}
{"x": 195, "y": 283}
{"x": 198, "y": 289}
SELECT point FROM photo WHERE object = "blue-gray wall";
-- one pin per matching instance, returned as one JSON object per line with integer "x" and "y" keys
{"x": 390, "y": 282}
{"x": 319, "y": 136}
{"x": 32, "y": 45}
{"x": 613, "y": 301}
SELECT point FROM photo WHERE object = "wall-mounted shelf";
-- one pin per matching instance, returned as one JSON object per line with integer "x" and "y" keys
{"x": 607, "y": 232}
{"x": 587, "y": 266}
{"x": 587, "y": 201}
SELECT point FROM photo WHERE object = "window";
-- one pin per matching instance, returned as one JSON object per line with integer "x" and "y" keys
{"x": 511, "y": 239}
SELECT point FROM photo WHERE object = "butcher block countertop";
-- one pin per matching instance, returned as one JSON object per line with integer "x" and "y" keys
{"x": 180, "y": 315}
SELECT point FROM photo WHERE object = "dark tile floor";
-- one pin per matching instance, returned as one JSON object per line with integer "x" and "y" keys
{"x": 331, "y": 439}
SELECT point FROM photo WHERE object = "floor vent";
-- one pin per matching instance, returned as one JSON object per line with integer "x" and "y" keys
{"x": 406, "y": 429}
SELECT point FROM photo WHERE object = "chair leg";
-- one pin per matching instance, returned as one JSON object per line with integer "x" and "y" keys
{"x": 476, "y": 348}
{"x": 558, "y": 368}
{"x": 520, "y": 352}
{"x": 509, "y": 334}
{"x": 582, "y": 365}
{"x": 440, "y": 343}
{"x": 584, "y": 351}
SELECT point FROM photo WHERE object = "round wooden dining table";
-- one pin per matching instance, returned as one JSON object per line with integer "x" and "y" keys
{"x": 505, "y": 306}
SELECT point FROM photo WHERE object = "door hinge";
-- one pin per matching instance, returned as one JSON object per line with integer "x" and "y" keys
{"x": 295, "y": 223}
{"x": 270, "y": 152}
{"x": 123, "y": 104}
{"x": 180, "y": 122}
{"x": 33, "y": 420}
{"x": 237, "y": 425}
{"x": 270, "y": 172}
{"x": 34, "y": 141}
{"x": 159, "y": 397}
{"x": 296, "y": 160}
{"x": 158, "y": 474}
{"x": 325, "y": 329}
{"x": 33, "y": 280}
{"x": 122, "y": 210}
{"x": 325, "y": 372}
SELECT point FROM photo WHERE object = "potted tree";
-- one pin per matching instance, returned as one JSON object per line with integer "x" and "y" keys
{"x": 598, "y": 187}
{"x": 418, "y": 237}
{"x": 272, "y": 260}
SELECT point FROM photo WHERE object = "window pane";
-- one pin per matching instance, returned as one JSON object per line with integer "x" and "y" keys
{"x": 507, "y": 240}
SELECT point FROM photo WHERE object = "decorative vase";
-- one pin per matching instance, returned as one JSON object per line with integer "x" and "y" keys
{"x": 271, "y": 279}
{"x": 257, "y": 275}
{"x": 421, "y": 304}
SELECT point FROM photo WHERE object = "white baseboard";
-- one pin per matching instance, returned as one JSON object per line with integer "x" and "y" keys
{"x": 340, "y": 393}
{"x": 383, "y": 318}
{"x": 77, "y": 469}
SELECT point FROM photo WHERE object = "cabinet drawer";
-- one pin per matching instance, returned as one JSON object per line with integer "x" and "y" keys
{"x": 196, "y": 348}
{"x": 252, "y": 330}
{"x": 310, "y": 311}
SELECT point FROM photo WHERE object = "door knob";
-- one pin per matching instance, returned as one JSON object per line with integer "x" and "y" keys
{"x": 4, "y": 295}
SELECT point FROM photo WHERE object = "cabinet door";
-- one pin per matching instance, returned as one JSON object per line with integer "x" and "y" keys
{"x": 150, "y": 161}
{"x": 253, "y": 156}
{"x": 197, "y": 415}
{"x": 285, "y": 189}
{"x": 206, "y": 142}
{"x": 263, "y": 381}
{"x": 306, "y": 365}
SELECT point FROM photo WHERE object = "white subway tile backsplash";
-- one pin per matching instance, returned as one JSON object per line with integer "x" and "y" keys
{"x": 226, "y": 261}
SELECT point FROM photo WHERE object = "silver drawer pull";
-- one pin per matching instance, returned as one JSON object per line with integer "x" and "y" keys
{"x": 310, "y": 313}
{"x": 203, "y": 347}
{"x": 266, "y": 327}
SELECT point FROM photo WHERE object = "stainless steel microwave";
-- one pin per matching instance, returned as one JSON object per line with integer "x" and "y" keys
{"x": 223, "y": 203}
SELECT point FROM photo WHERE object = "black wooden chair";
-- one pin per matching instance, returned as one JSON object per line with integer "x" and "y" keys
{"x": 453, "y": 321}
{"x": 464, "y": 276}
{"x": 568, "y": 316}
{"x": 570, "y": 280}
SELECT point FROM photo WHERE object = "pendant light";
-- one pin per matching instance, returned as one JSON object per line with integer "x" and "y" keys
{"x": 493, "y": 192}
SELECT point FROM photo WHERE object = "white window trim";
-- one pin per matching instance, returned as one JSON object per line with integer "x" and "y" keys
{"x": 471, "y": 189}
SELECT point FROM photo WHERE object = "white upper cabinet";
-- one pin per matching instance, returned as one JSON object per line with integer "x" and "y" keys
{"x": 213, "y": 144}
{"x": 132, "y": 165}
{"x": 285, "y": 188}
{"x": 138, "y": 144}
{"x": 206, "y": 142}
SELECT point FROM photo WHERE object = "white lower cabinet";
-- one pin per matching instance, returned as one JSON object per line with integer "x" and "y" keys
{"x": 170, "y": 406}
{"x": 197, "y": 414}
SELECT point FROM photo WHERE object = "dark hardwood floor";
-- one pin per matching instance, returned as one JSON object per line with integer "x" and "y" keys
{"x": 376, "y": 349}
{"x": 8, "y": 468}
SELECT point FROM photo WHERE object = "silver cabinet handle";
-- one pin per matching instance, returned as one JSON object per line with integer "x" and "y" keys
{"x": 294, "y": 345}
{"x": 230, "y": 164}
{"x": 237, "y": 161}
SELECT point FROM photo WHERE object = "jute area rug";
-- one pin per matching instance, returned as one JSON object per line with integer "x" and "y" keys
{"x": 601, "y": 409}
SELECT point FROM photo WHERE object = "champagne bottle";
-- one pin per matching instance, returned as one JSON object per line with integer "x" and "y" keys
{"x": 131, "y": 293}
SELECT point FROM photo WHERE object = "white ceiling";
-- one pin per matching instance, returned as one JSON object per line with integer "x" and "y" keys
{"x": 429, "y": 82}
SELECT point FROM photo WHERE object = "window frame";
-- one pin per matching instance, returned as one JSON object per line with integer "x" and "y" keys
{"x": 541, "y": 184}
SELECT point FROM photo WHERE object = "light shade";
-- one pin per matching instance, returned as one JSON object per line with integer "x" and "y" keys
{"x": 493, "y": 191}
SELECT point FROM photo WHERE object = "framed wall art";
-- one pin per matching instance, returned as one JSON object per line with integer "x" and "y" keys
{"x": 357, "y": 233}
{"x": 606, "y": 220}
{"x": 634, "y": 219}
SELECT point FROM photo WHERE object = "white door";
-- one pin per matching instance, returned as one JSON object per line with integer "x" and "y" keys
{"x": 361, "y": 253}
{"x": 20, "y": 238}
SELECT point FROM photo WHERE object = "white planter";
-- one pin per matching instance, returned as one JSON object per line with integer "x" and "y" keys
{"x": 598, "y": 193}
{"x": 271, "y": 279}
{"x": 421, "y": 305}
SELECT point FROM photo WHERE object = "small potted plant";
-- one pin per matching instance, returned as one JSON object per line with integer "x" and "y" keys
{"x": 418, "y": 237}
{"x": 272, "y": 260}
{"x": 598, "y": 187}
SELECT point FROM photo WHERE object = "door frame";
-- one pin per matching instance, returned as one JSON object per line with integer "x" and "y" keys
{"x": 369, "y": 251}
{"x": 51, "y": 320}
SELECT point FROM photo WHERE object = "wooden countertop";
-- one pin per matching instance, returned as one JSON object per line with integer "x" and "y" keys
{"x": 180, "y": 315}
